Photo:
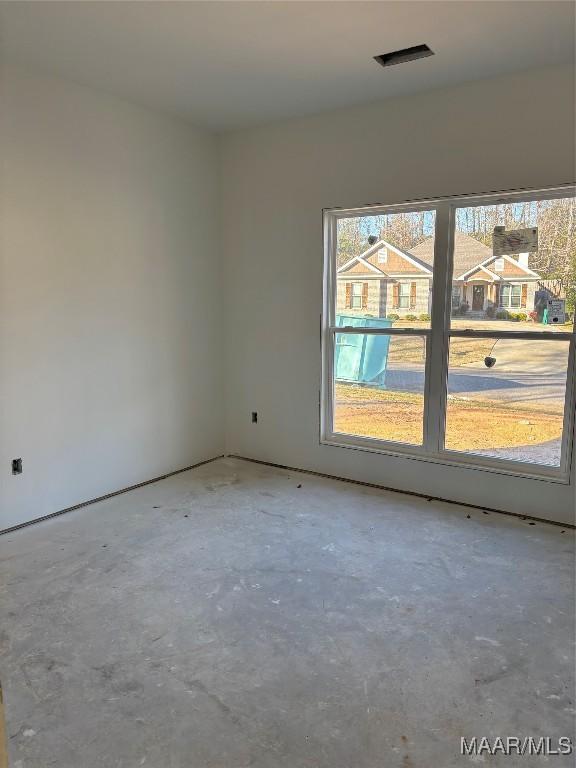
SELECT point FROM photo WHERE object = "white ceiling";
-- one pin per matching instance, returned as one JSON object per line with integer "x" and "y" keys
{"x": 228, "y": 64}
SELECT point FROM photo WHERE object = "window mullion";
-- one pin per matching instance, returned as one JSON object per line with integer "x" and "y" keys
{"x": 436, "y": 359}
{"x": 361, "y": 331}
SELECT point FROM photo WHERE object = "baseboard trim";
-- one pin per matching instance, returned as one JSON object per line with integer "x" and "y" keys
{"x": 107, "y": 496}
{"x": 399, "y": 490}
{"x": 291, "y": 469}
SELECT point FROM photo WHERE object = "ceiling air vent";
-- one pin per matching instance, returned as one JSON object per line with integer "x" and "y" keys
{"x": 406, "y": 54}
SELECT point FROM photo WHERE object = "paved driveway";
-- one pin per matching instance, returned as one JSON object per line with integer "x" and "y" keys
{"x": 526, "y": 372}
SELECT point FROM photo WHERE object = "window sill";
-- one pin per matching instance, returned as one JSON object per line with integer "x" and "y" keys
{"x": 455, "y": 459}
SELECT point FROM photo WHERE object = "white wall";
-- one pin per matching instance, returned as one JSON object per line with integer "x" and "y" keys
{"x": 110, "y": 311}
{"x": 111, "y": 307}
{"x": 511, "y": 132}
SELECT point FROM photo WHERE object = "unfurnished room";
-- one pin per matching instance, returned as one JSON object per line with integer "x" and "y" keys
{"x": 287, "y": 384}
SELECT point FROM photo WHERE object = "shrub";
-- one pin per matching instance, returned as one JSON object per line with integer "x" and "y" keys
{"x": 410, "y": 317}
{"x": 502, "y": 314}
{"x": 392, "y": 317}
{"x": 533, "y": 316}
{"x": 490, "y": 311}
{"x": 522, "y": 316}
{"x": 424, "y": 317}
{"x": 464, "y": 307}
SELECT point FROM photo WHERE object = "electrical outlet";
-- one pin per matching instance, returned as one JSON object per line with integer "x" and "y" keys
{"x": 16, "y": 466}
{"x": 254, "y": 417}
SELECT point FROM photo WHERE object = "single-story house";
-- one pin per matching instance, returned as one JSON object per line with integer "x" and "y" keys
{"x": 385, "y": 280}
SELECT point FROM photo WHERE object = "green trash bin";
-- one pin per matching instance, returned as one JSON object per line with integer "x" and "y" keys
{"x": 361, "y": 358}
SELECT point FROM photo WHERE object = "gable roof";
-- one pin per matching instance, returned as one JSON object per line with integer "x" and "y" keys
{"x": 362, "y": 260}
{"x": 468, "y": 252}
{"x": 483, "y": 266}
{"x": 360, "y": 265}
{"x": 470, "y": 255}
{"x": 479, "y": 273}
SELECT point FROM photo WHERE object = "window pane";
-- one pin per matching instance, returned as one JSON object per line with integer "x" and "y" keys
{"x": 455, "y": 297}
{"x": 513, "y": 410}
{"x": 379, "y": 386}
{"x": 514, "y": 289}
{"x": 392, "y": 255}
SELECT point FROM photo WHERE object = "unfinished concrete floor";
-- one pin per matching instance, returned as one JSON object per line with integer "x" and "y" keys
{"x": 227, "y": 617}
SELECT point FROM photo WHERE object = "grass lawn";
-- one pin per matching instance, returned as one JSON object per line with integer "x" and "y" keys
{"x": 472, "y": 425}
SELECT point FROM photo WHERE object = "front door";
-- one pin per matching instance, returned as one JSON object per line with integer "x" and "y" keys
{"x": 478, "y": 298}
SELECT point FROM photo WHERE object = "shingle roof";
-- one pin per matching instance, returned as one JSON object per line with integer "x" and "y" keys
{"x": 468, "y": 252}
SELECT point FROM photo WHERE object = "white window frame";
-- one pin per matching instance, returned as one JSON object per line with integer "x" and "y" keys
{"x": 404, "y": 295}
{"x": 508, "y": 287}
{"x": 437, "y": 338}
{"x": 354, "y": 294}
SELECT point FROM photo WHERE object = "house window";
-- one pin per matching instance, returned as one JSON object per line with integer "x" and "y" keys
{"x": 382, "y": 255}
{"x": 456, "y": 301}
{"x": 429, "y": 387}
{"x": 511, "y": 296}
{"x": 499, "y": 265}
{"x": 356, "y": 296}
{"x": 404, "y": 296}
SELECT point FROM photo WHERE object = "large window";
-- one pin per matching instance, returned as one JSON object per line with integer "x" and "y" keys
{"x": 511, "y": 296}
{"x": 459, "y": 346}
